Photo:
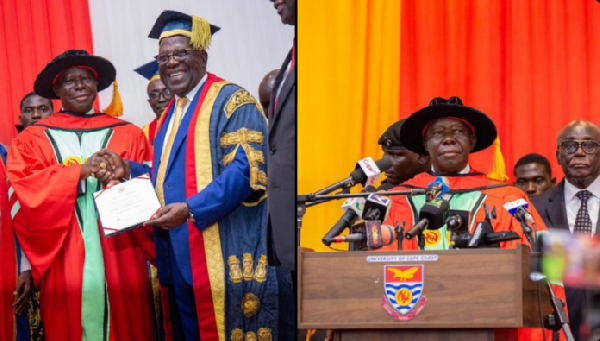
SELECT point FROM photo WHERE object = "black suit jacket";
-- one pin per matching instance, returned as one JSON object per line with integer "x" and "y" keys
{"x": 281, "y": 236}
{"x": 552, "y": 207}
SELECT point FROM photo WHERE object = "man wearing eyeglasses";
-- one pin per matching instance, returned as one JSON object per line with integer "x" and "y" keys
{"x": 574, "y": 205}
{"x": 449, "y": 132}
{"x": 209, "y": 171}
{"x": 158, "y": 96}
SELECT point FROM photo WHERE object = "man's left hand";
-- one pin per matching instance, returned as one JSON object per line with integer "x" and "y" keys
{"x": 23, "y": 292}
{"x": 171, "y": 216}
{"x": 120, "y": 168}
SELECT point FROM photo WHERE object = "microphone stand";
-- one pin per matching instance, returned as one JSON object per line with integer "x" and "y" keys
{"x": 400, "y": 233}
{"x": 421, "y": 241}
{"x": 559, "y": 319}
{"x": 304, "y": 201}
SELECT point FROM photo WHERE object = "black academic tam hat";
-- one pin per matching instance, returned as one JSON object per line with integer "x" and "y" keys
{"x": 390, "y": 139}
{"x": 104, "y": 70}
{"x": 413, "y": 130}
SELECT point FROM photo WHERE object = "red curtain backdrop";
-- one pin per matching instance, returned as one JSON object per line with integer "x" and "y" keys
{"x": 32, "y": 33}
{"x": 533, "y": 66}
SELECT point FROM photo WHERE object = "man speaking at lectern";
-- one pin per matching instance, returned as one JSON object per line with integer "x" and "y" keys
{"x": 448, "y": 132}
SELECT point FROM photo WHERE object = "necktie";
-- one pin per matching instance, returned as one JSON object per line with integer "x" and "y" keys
{"x": 290, "y": 68}
{"x": 583, "y": 223}
{"x": 160, "y": 176}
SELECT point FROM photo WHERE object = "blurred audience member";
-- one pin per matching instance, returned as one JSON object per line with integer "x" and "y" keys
{"x": 533, "y": 175}
{"x": 574, "y": 204}
{"x": 158, "y": 96}
{"x": 266, "y": 88}
{"x": 33, "y": 109}
{"x": 405, "y": 164}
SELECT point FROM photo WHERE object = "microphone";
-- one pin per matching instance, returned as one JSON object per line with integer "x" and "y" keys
{"x": 432, "y": 216}
{"x": 372, "y": 232}
{"x": 524, "y": 214}
{"x": 437, "y": 188}
{"x": 376, "y": 208}
{"x": 518, "y": 209}
{"x": 469, "y": 240}
{"x": 367, "y": 173}
{"x": 454, "y": 222}
{"x": 353, "y": 209}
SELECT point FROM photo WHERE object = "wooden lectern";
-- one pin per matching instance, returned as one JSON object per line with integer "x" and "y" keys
{"x": 468, "y": 294}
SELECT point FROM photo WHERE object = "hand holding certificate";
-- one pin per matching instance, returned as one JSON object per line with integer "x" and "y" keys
{"x": 127, "y": 205}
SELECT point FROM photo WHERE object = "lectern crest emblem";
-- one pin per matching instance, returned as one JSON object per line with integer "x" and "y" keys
{"x": 403, "y": 291}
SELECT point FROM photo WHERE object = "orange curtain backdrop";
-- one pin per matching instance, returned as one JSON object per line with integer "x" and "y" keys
{"x": 349, "y": 57}
{"x": 532, "y": 66}
{"x": 32, "y": 33}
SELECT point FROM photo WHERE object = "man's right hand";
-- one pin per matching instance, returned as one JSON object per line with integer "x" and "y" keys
{"x": 97, "y": 165}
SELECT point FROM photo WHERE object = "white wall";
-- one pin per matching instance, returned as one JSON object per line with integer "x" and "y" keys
{"x": 252, "y": 41}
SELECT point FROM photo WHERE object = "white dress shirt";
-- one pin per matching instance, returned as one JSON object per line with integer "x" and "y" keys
{"x": 190, "y": 97}
{"x": 465, "y": 170}
{"x": 92, "y": 111}
{"x": 573, "y": 203}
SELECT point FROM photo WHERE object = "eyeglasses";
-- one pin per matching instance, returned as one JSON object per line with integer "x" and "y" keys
{"x": 178, "y": 56}
{"x": 441, "y": 132}
{"x": 571, "y": 147}
{"x": 155, "y": 95}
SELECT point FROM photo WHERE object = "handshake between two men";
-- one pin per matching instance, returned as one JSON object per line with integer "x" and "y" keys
{"x": 110, "y": 169}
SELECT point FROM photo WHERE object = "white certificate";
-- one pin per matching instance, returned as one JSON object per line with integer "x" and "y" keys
{"x": 127, "y": 205}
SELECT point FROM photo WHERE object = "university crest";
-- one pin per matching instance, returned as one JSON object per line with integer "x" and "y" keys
{"x": 403, "y": 286}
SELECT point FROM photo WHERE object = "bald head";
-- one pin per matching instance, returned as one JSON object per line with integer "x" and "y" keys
{"x": 578, "y": 152}
{"x": 265, "y": 88}
{"x": 577, "y": 128}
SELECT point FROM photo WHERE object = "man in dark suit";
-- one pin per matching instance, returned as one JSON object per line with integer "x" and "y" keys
{"x": 574, "y": 205}
{"x": 282, "y": 154}
{"x": 281, "y": 162}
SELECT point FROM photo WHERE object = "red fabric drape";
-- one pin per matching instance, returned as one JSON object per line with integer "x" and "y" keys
{"x": 32, "y": 33}
{"x": 532, "y": 66}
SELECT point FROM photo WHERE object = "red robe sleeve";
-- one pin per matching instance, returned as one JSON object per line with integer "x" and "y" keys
{"x": 45, "y": 200}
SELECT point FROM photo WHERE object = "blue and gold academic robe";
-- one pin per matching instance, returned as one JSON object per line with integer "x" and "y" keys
{"x": 217, "y": 166}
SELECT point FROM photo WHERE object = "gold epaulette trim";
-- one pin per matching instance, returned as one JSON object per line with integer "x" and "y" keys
{"x": 239, "y": 99}
{"x": 240, "y": 137}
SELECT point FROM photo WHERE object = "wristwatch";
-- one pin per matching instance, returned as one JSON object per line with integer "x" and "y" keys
{"x": 190, "y": 214}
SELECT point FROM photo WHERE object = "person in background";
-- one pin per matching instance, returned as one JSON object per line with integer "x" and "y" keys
{"x": 16, "y": 285}
{"x": 405, "y": 164}
{"x": 574, "y": 204}
{"x": 266, "y": 88}
{"x": 158, "y": 96}
{"x": 533, "y": 175}
{"x": 33, "y": 109}
{"x": 281, "y": 229}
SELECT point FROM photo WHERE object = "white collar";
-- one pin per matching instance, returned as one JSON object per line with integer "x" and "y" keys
{"x": 465, "y": 170}
{"x": 571, "y": 190}
{"x": 92, "y": 111}
{"x": 190, "y": 95}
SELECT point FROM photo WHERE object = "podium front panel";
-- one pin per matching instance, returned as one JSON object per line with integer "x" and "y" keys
{"x": 478, "y": 288}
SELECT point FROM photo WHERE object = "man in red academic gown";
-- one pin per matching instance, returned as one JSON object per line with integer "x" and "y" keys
{"x": 92, "y": 288}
